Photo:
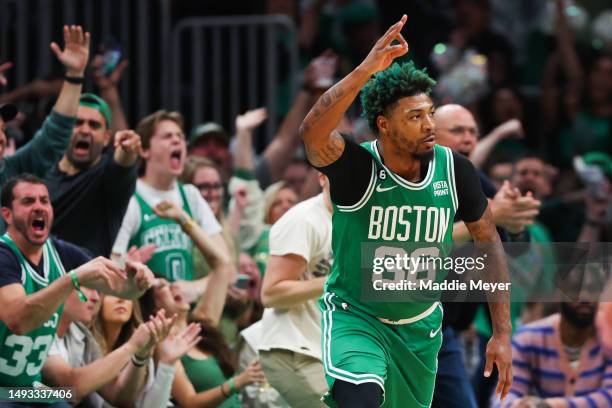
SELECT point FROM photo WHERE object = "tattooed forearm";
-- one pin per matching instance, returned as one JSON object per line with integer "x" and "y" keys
{"x": 323, "y": 144}
{"x": 328, "y": 153}
{"x": 489, "y": 246}
{"x": 325, "y": 102}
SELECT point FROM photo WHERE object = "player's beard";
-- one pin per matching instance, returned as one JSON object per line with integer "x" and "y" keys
{"x": 424, "y": 157}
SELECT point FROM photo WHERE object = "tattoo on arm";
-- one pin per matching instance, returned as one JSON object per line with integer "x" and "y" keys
{"x": 325, "y": 102}
{"x": 327, "y": 153}
{"x": 323, "y": 144}
{"x": 487, "y": 242}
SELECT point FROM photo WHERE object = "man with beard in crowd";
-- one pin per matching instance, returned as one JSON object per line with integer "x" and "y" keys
{"x": 43, "y": 151}
{"x": 558, "y": 361}
{"x": 38, "y": 275}
{"x": 90, "y": 186}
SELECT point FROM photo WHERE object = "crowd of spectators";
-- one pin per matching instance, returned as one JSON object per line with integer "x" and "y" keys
{"x": 181, "y": 266}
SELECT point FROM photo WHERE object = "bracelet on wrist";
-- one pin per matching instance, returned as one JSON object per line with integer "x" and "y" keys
{"x": 187, "y": 225}
{"x": 77, "y": 286}
{"x": 225, "y": 395}
{"x": 232, "y": 385}
{"x": 77, "y": 80}
{"x": 138, "y": 361}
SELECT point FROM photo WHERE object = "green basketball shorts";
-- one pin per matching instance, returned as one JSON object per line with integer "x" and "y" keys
{"x": 400, "y": 358}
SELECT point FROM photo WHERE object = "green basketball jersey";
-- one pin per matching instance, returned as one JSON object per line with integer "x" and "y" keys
{"x": 22, "y": 357}
{"x": 394, "y": 218}
{"x": 172, "y": 258}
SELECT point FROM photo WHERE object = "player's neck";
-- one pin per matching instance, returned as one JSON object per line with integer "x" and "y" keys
{"x": 400, "y": 162}
{"x": 32, "y": 253}
{"x": 159, "y": 181}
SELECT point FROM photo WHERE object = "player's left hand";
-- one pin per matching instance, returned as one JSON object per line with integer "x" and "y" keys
{"x": 499, "y": 353}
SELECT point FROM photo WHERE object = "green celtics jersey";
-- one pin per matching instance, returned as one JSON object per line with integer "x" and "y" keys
{"x": 22, "y": 357}
{"x": 401, "y": 220}
{"x": 172, "y": 258}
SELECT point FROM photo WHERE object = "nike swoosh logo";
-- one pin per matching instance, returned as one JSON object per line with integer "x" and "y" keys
{"x": 381, "y": 189}
{"x": 149, "y": 217}
{"x": 433, "y": 333}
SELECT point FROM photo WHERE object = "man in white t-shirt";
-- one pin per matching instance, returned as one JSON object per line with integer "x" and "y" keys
{"x": 300, "y": 260}
{"x": 172, "y": 216}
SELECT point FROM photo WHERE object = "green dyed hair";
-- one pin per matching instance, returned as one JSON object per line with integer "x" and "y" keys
{"x": 388, "y": 86}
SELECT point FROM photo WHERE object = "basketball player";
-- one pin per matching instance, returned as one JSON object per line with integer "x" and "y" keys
{"x": 402, "y": 188}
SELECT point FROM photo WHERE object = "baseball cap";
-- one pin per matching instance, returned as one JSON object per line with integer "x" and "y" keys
{"x": 8, "y": 112}
{"x": 95, "y": 102}
{"x": 209, "y": 130}
{"x": 599, "y": 159}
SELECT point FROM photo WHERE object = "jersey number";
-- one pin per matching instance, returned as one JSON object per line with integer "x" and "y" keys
{"x": 410, "y": 274}
{"x": 175, "y": 264}
{"x": 19, "y": 360}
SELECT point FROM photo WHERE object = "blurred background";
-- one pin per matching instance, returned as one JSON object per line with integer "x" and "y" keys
{"x": 536, "y": 75}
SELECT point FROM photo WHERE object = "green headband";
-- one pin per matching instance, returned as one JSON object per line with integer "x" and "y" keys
{"x": 95, "y": 102}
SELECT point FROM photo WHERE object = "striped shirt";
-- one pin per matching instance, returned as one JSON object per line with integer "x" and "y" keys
{"x": 541, "y": 368}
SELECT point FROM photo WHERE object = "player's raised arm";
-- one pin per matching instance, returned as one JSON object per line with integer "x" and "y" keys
{"x": 323, "y": 144}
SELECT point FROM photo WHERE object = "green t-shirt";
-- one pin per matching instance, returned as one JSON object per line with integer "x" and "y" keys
{"x": 206, "y": 374}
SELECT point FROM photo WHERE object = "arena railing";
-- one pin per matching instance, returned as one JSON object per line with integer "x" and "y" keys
{"x": 222, "y": 66}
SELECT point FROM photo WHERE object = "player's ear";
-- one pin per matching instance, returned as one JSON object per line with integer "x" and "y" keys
{"x": 382, "y": 124}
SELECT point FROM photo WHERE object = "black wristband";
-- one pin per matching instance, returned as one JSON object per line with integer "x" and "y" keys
{"x": 138, "y": 362}
{"x": 74, "y": 80}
